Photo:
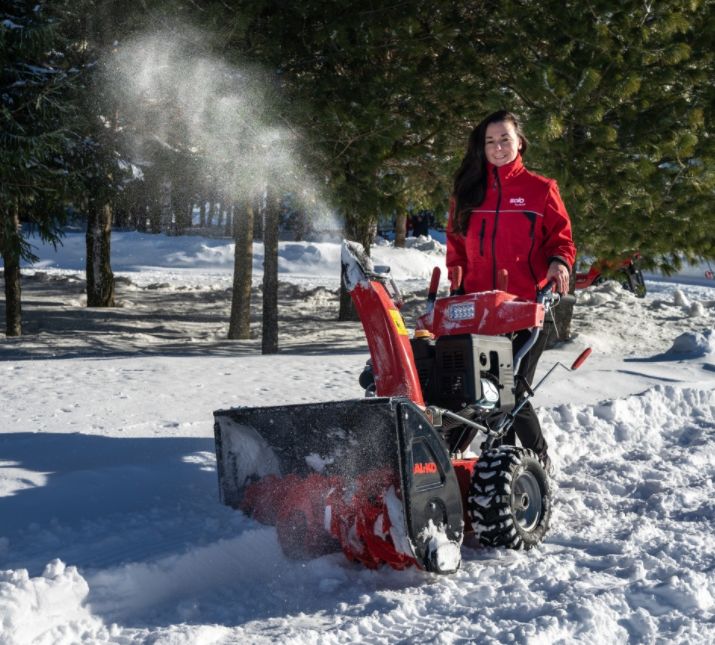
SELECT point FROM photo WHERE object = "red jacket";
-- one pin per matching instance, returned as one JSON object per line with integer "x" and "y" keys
{"x": 521, "y": 226}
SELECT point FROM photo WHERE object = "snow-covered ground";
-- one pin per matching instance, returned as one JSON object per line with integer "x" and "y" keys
{"x": 110, "y": 526}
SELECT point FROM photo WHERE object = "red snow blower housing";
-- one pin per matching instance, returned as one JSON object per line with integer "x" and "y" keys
{"x": 392, "y": 478}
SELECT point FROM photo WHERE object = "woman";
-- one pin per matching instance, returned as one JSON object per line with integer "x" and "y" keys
{"x": 503, "y": 217}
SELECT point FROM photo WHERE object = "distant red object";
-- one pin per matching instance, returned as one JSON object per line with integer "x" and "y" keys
{"x": 626, "y": 271}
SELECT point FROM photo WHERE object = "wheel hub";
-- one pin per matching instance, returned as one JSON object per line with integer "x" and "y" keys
{"x": 527, "y": 501}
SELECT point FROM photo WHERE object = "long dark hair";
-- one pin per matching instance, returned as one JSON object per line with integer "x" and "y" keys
{"x": 470, "y": 181}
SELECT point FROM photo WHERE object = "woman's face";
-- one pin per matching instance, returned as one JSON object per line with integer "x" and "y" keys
{"x": 501, "y": 143}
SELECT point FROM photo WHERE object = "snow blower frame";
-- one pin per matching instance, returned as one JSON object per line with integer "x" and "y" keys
{"x": 385, "y": 478}
{"x": 625, "y": 270}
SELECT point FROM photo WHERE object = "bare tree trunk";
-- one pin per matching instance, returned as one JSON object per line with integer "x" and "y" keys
{"x": 13, "y": 289}
{"x": 221, "y": 208}
{"x": 230, "y": 214}
{"x": 212, "y": 209}
{"x": 168, "y": 221}
{"x": 400, "y": 230}
{"x": 154, "y": 214}
{"x": 100, "y": 279}
{"x": 240, "y": 324}
{"x": 258, "y": 222}
{"x": 202, "y": 212}
{"x": 300, "y": 225}
{"x": 183, "y": 209}
{"x": 269, "y": 339}
{"x": 142, "y": 209}
{"x": 363, "y": 231}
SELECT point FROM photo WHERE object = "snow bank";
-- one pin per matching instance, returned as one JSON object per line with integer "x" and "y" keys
{"x": 612, "y": 320}
{"x": 47, "y": 609}
{"x": 416, "y": 261}
{"x": 663, "y": 417}
{"x": 693, "y": 345}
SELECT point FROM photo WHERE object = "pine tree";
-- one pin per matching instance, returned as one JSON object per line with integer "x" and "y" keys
{"x": 103, "y": 166}
{"x": 36, "y": 137}
{"x": 619, "y": 104}
{"x": 378, "y": 91}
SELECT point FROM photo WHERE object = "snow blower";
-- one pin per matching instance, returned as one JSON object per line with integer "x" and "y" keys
{"x": 625, "y": 270}
{"x": 392, "y": 478}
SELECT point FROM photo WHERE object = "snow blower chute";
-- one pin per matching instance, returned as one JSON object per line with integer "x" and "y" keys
{"x": 385, "y": 478}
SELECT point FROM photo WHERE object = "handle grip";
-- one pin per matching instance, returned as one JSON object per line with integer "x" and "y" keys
{"x": 434, "y": 285}
{"x": 455, "y": 275}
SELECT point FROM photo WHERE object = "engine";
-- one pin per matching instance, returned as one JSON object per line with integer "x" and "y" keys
{"x": 469, "y": 374}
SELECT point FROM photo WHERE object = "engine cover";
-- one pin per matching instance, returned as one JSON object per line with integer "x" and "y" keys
{"x": 452, "y": 367}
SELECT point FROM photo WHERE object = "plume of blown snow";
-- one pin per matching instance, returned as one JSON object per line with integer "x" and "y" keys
{"x": 177, "y": 98}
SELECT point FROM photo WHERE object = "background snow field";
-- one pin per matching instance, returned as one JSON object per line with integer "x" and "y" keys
{"x": 110, "y": 526}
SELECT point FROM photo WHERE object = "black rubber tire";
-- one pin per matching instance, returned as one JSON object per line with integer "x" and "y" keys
{"x": 510, "y": 499}
{"x": 633, "y": 281}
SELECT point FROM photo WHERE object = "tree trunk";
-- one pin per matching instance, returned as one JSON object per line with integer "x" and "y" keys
{"x": 240, "y": 324}
{"x": 202, "y": 212}
{"x": 230, "y": 214}
{"x": 219, "y": 223}
{"x": 100, "y": 279}
{"x": 212, "y": 210}
{"x": 183, "y": 209}
{"x": 269, "y": 339}
{"x": 190, "y": 215}
{"x": 400, "y": 230}
{"x": 142, "y": 210}
{"x": 121, "y": 217}
{"x": 258, "y": 223}
{"x": 13, "y": 290}
{"x": 154, "y": 215}
{"x": 363, "y": 231}
{"x": 168, "y": 222}
{"x": 300, "y": 225}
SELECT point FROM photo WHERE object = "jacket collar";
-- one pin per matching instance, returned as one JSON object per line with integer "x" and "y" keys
{"x": 507, "y": 171}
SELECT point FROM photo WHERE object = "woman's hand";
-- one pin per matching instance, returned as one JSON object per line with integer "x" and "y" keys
{"x": 560, "y": 275}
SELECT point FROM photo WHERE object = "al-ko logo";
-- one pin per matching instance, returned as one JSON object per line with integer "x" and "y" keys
{"x": 517, "y": 201}
{"x": 429, "y": 468}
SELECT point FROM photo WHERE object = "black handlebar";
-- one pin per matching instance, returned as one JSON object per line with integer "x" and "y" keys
{"x": 554, "y": 297}
{"x": 546, "y": 293}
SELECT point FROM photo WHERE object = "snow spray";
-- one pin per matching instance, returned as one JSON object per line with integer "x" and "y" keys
{"x": 176, "y": 97}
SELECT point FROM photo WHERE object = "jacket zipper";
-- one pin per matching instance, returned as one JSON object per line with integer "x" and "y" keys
{"x": 481, "y": 237}
{"x": 494, "y": 233}
{"x": 532, "y": 218}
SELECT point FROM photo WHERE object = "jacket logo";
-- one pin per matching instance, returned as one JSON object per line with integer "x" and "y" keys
{"x": 517, "y": 201}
